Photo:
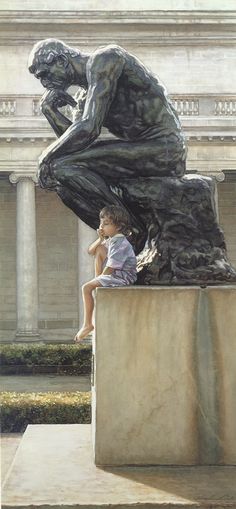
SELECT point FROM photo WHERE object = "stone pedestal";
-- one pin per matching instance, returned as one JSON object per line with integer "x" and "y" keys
{"x": 164, "y": 376}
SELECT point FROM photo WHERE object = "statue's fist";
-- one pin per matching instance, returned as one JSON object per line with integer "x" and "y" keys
{"x": 56, "y": 98}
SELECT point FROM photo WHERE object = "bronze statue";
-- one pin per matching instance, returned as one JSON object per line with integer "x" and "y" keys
{"x": 135, "y": 168}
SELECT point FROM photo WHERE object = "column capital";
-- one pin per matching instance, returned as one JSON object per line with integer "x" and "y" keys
{"x": 16, "y": 176}
{"x": 218, "y": 176}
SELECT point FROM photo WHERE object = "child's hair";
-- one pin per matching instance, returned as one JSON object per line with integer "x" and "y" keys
{"x": 119, "y": 217}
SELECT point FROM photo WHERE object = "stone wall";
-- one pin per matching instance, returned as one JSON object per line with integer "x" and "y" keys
{"x": 57, "y": 246}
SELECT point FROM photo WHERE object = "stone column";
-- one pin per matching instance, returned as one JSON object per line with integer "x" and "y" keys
{"x": 219, "y": 177}
{"x": 86, "y": 236}
{"x": 26, "y": 265}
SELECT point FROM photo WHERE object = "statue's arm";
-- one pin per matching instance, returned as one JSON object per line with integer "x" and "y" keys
{"x": 50, "y": 102}
{"x": 103, "y": 71}
{"x": 57, "y": 120}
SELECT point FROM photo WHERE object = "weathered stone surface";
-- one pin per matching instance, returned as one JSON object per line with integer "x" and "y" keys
{"x": 53, "y": 468}
{"x": 165, "y": 378}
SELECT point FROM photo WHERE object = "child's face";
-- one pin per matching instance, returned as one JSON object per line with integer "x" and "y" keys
{"x": 108, "y": 228}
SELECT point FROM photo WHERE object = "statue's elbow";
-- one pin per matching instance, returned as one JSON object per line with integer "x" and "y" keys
{"x": 91, "y": 130}
{"x": 44, "y": 108}
{"x": 94, "y": 131}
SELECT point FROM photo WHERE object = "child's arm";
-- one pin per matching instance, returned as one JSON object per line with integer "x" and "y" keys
{"x": 92, "y": 248}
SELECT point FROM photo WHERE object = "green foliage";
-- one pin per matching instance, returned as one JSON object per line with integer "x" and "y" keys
{"x": 38, "y": 358}
{"x": 20, "y": 409}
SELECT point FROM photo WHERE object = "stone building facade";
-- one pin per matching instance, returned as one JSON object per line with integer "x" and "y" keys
{"x": 191, "y": 46}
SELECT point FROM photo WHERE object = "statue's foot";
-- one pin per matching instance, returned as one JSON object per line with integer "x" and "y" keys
{"x": 83, "y": 332}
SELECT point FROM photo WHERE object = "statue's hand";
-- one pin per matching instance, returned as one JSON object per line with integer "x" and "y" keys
{"x": 56, "y": 98}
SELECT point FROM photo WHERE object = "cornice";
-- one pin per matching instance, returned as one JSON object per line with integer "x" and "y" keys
{"x": 19, "y": 170}
{"x": 22, "y": 128}
{"x": 161, "y": 28}
{"x": 32, "y": 129}
{"x": 159, "y": 17}
{"x": 146, "y": 40}
{"x": 12, "y": 167}
{"x": 44, "y": 138}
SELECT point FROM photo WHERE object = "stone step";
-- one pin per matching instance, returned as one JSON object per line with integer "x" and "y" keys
{"x": 9, "y": 445}
{"x": 54, "y": 467}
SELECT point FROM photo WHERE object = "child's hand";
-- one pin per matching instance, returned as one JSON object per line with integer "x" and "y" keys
{"x": 100, "y": 234}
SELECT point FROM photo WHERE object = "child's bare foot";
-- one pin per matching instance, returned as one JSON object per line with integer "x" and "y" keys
{"x": 83, "y": 332}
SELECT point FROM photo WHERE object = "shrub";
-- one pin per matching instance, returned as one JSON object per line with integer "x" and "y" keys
{"x": 20, "y": 409}
{"x": 36, "y": 358}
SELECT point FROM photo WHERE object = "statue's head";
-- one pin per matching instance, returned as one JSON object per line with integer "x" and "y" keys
{"x": 50, "y": 60}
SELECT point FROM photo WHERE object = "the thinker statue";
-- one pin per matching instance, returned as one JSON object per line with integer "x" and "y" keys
{"x": 140, "y": 168}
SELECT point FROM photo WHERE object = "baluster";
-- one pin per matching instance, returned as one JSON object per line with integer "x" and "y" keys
{"x": 218, "y": 107}
{"x": 13, "y": 107}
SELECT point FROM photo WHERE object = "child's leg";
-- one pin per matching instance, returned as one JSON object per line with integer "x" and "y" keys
{"x": 100, "y": 257}
{"x": 88, "y": 301}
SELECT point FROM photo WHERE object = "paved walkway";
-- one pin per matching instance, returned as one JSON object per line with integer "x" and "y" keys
{"x": 45, "y": 383}
{"x": 34, "y": 383}
{"x": 54, "y": 468}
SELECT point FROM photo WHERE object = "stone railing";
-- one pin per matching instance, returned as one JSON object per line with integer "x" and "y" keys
{"x": 203, "y": 117}
{"x": 183, "y": 105}
{"x": 188, "y": 105}
{"x": 225, "y": 107}
{"x": 7, "y": 107}
{"x": 36, "y": 110}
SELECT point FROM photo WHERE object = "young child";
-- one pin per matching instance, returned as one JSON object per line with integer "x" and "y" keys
{"x": 115, "y": 261}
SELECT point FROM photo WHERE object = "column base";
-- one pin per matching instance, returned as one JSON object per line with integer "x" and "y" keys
{"x": 29, "y": 336}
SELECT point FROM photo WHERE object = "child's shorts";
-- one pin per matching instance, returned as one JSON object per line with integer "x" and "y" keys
{"x": 110, "y": 281}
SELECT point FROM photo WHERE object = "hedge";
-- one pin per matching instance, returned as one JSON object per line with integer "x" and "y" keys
{"x": 20, "y": 409}
{"x": 38, "y": 358}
